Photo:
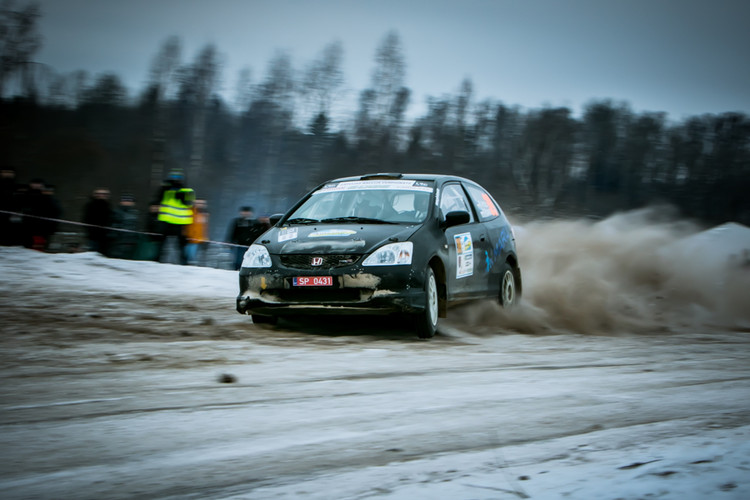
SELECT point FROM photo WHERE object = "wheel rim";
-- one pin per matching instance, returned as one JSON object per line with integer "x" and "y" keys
{"x": 508, "y": 289}
{"x": 432, "y": 299}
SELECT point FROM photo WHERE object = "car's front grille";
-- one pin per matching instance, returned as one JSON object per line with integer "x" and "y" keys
{"x": 317, "y": 261}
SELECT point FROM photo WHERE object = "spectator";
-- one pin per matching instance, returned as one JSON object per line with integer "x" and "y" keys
{"x": 53, "y": 210}
{"x": 98, "y": 214}
{"x": 175, "y": 212}
{"x": 244, "y": 230}
{"x": 197, "y": 234}
{"x": 125, "y": 217}
{"x": 149, "y": 244}
{"x": 10, "y": 225}
{"x": 40, "y": 207}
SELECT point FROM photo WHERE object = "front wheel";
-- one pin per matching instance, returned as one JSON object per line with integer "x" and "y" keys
{"x": 508, "y": 289}
{"x": 427, "y": 320}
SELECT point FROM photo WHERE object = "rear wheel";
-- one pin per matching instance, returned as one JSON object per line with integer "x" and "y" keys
{"x": 426, "y": 321}
{"x": 259, "y": 319}
{"x": 508, "y": 289}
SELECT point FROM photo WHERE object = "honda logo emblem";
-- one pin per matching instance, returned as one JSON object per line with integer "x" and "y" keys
{"x": 317, "y": 261}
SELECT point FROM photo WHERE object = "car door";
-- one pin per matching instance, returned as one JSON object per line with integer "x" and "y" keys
{"x": 499, "y": 238}
{"x": 466, "y": 244}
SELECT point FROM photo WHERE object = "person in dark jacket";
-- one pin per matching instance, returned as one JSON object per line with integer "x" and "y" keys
{"x": 150, "y": 244}
{"x": 53, "y": 210}
{"x": 98, "y": 213}
{"x": 244, "y": 230}
{"x": 125, "y": 218}
{"x": 41, "y": 207}
{"x": 10, "y": 224}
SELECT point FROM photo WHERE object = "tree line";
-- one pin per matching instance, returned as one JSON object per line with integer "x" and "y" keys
{"x": 278, "y": 138}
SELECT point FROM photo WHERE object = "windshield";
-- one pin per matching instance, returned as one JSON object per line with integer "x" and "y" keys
{"x": 366, "y": 202}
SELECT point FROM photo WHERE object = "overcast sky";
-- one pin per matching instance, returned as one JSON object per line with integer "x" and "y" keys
{"x": 684, "y": 57}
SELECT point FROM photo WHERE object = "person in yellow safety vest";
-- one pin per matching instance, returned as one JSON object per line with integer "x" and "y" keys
{"x": 175, "y": 213}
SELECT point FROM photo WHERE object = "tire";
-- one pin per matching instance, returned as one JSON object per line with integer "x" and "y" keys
{"x": 508, "y": 296}
{"x": 264, "y": 320}
{"x": 427, "y": 320}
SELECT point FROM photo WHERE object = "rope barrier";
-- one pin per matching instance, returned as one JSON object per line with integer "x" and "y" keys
{"x": 83, "y": 224}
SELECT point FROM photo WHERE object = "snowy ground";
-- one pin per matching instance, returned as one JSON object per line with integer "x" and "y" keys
{"x": 607, "y": 385}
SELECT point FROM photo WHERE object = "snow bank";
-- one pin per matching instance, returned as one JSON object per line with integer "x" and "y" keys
{"x": 91, "y": 271}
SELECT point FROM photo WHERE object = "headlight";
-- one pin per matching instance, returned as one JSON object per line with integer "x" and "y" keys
{"x": 256, "y": 256}
{"x": 393, "y": 254}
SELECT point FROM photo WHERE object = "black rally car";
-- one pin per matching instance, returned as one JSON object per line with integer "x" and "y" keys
{"x": 381, "y": 244}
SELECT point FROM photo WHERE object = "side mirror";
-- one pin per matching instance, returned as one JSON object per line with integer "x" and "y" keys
{"x": 456, "y": 218}
{"x": 275, "y": 218}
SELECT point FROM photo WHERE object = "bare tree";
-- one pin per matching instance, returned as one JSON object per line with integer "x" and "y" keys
{"x": 19, "y": 39}
{"x": 164, "y": 67}
{"x": 323, "y": 78}
{"x": 383, "y": 105}
{"x": 270, "y": 116}
{"x": 319, "y": 88}
{"x": 462, "y": 107}
{"x": 436, "y": 125}
{"x": 243, "y": 95}
{"x": 108, "y": 90}
{"x": 542, "y": 165}
{"x": 198, "y": 83}
{"x": 641, "y": 166}
{"x": 388, "y": 76}
{"x": 77, "y": 82}
{"x": 163, "y": 79}
{"x": 66, "y": 90}
{"x": 204, "y": 73}
{"x": 603, "y": 131}
{"x": 463, "y": 102}
{"x": 508, "y": 123}
{"x": 58, "y": 92}
{"x": 277, "y": 90}
{"x": 483, "y": 125}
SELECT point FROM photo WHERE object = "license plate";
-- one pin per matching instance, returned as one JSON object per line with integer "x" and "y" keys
{"x": 313, "y": 281}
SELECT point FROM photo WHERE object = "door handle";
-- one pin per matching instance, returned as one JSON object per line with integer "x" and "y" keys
{"x": 481, "y": 237}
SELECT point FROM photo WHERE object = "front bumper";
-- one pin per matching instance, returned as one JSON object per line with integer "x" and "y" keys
{"x": 358, "y": 290}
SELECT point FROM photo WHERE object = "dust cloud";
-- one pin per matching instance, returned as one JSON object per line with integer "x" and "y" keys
{"x": 637, "y": 272}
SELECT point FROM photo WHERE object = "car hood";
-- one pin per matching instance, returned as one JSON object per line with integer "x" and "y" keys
{"x": 334, "y": 238}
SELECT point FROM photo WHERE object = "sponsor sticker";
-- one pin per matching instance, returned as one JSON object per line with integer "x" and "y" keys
{"x": 327, "y": 233}
{"x": 464, "y": 255}
{"x": 376, "y": 184}
{"x": 287, "y": 233}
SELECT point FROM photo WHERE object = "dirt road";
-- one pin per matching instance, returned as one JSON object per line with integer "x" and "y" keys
{"x": 121, "y": 394}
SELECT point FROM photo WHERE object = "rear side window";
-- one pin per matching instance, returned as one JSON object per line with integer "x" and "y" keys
{"x": 483, "y": 202}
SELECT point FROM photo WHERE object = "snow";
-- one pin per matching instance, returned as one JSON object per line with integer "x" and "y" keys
{"x": 111, "y": 384}
{"x": 675, "y": 468}
{"x": 729, "y": 242}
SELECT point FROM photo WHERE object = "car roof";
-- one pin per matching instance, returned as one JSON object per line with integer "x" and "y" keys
{"x": 440, "y": 178}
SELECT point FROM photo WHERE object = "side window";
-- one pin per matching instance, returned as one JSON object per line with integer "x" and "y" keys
{"x": 483, "y": 202}
{"x": 452, "y": 199}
